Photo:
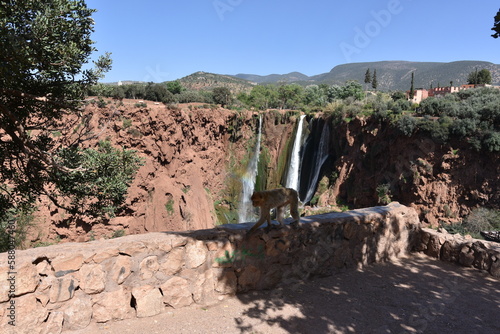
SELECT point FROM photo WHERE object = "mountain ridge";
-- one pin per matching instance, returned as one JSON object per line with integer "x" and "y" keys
{"x": 391, "y": 75}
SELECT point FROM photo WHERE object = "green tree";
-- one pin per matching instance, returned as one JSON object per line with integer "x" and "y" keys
{"x": 412, "y": 86}
{"x": 496, "y": 25}
{"x": 44, "y": 47}
{"x": 290, "y": 96}
{"x": 479, "y": 78}
{"x": 263, "y": 97}
{"x": 222, "y": 96}
{"x": 175, "y": 87}
{"x": 368, "y": 76}
{"x": 374, "y": 80}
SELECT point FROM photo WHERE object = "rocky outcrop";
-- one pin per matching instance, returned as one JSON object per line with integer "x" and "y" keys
{"x": 443, "y": 182}
{"x": 65, "y": 287}
{"x": 468, "y": 252}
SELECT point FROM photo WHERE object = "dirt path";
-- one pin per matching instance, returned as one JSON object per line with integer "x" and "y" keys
{"x": 418, "y": 294}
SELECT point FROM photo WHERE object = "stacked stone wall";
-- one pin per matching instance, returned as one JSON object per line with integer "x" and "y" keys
{"x": 65, "y": 287}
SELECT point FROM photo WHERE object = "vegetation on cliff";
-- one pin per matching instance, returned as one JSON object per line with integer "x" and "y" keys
{"x": 45, "y": 45}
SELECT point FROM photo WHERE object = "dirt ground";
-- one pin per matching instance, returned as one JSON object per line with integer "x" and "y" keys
{"x": 416, "y": 295}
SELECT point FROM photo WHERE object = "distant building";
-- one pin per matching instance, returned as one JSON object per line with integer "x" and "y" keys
{"x": 421, "y": 94}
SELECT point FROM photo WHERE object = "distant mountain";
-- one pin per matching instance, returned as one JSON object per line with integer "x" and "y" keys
{"x": 273, "y": 78}
{"x": 206, "y": 81}
{"x": 396, "y": 75}
{"x": 391, "y": 75}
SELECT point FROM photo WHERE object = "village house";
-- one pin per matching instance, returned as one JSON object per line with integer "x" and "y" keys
{"x": 421, "y": 94}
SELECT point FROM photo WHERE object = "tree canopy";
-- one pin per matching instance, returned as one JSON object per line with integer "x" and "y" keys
{"x": 46, "y": 47}
{"x": 496, "y": 25}
{"x": 481, "y": 77}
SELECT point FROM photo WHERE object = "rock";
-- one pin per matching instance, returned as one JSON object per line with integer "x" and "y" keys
{"x": 43, "y": 268}
{"x": 29, "y": 316}
{"x": 54, "y": 324}
{"x": 6, "y": 285}
{"x": 113, "y": 305}
{"x": 176, "y": 292}
{"x": 174, "y": 261}
{"x": 148, "y": 267}
{"x": 196, "y": 254}
{"x": 448, "y": 252}
{"x": 203, "y": 288}
{"x": 148, "y": 301}
{"x": 495, "y": 268}
{"x": 62, "y": 289}
{"x": 26, "y": 279}
{"x": 71, "y": 262}
{"x": 77, "y": 312}
{"x": 121, "y": 269}
{"x": 466, "y": 256}
{"x": 105, "y": 254}
{"x": 226, "y": 282}
{"x": 92, "y": 278}
{"x": 433, "y": 247}
{"x": 249, "y": 278}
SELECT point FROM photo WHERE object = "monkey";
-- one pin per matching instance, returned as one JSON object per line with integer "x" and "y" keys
{"x": 275, "y": 198}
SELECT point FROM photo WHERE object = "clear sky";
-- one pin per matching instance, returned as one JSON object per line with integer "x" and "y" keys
{"x": 163, "y": 40}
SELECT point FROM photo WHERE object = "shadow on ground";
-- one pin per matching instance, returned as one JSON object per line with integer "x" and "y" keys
{"x": 417, "y": 294}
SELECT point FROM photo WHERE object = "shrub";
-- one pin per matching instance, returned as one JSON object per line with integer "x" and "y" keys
{"x": 384, "y": 193}
{"x": 407, "y": 124}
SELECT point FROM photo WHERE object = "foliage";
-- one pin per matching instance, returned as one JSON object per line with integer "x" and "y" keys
{"x": 480, "y": 219}
{"x": 407, "y": 125}
{"x": 473, "y": 115}
{"x": 384, "y": 193}
{"x": 496, "y": 25}
{"x": 44, "y": 47}
{"x": 350, "y": 89}
{"x": 21, "y": 218}
{"x": 222, "y": 96}
{"x": 175, "y": 87}
{"x": 102, "y": 183}
{"x": 374, "y": 80}
{"x": 479, "y": 78}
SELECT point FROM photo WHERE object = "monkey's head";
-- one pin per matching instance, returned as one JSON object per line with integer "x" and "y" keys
{"x": 257, "y": 199}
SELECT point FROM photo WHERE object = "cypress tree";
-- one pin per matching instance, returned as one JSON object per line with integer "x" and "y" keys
{"x": 374, "y": 80}
{"x": 412, "y": 88}
{"x": 368, "y": 76}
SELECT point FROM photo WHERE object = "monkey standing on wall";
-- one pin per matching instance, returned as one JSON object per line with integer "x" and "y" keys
{"x": 276, "y": 198}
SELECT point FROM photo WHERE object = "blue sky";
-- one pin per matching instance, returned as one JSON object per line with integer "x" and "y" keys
{"x": 163, "y": 40}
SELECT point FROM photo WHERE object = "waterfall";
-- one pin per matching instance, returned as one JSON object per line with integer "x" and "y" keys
{"x": 319, "y": 157}
{"x": 245, "y": 212}
{"x": 292, "y": 180}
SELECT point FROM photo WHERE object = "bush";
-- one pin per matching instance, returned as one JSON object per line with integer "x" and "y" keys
{"x": 480, "y": 219}
{"x": 407, "y": 124}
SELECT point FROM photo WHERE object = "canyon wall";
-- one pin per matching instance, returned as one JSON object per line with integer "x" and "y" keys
{"x": 195, "y": 155}
{"x": 65, "y": 287}
{"x": 443, "y": 182}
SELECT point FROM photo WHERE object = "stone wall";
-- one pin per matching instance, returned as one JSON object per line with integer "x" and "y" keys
{"x": 65, "y": 287}
{"x": 468, "y": 252}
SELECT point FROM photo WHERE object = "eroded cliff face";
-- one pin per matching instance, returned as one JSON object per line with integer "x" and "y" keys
{"x": 192, "y": 153}
{"x": 194, "y": 158}
{"x": 443, "y": 182}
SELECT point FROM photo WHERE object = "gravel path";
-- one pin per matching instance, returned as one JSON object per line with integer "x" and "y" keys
{"x": 418, "y": 294}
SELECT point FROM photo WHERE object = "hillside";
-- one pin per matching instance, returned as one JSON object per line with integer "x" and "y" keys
{"x": 273, "y": 78}
{"x": 205, "y": 81}
{"x": 396, "y": 75}
{"x": 391, "y": 75}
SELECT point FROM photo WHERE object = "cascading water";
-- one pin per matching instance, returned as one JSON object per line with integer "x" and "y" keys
{"x": 320, "y": 155}
{"x": 292, "y": 180}
{"x": 246, "y": 211}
